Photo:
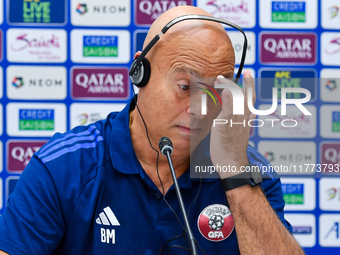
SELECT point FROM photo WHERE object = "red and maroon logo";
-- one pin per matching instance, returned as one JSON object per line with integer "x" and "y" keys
{"x": 19, "y": 154}
{"x": 101, "y": 83}
{"x": 297, "y": 48}
{"x": 216, "y": 222}
{"x": 149, "y": 10}
{"x": 330, "y": 157}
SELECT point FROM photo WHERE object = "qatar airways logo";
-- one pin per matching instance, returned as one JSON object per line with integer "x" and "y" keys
{"x": 288, "y": 48}
{"x": 22, "y": 42}
{"x": 109, "y": 83}
{"x": 20, "y": 152}
{"x": 149, "y": 10}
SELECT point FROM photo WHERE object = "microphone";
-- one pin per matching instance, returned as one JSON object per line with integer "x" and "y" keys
{"x": 165, "y": 145}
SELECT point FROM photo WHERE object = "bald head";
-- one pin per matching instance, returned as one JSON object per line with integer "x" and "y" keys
{"x": 201, "y": 41}
{"x": 169, "y": 15}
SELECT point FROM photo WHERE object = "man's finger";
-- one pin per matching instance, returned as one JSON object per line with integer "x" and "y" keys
{"x": 249, "y": 84}
{"x": 222, "y": 80}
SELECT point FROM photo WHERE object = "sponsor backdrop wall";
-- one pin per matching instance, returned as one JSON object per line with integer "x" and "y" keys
{"x": 65, "y": 63}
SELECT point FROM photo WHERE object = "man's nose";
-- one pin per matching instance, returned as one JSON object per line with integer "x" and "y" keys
{"x": 194, "y": 107}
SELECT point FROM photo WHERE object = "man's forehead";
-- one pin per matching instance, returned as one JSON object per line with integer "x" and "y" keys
{"x": 197, "y": 74}
{"x": 188, "y": 70}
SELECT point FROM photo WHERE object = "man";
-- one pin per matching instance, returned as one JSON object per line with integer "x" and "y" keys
{"x": 96, "y": 189}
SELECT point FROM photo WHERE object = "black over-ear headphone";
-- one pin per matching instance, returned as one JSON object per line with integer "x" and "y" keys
{"x": 140, "y": 69}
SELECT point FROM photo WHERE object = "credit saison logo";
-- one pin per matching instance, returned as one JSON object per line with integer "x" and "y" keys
{"x": 36, "y": 119}
{"x": 17, "y": 82}
{"x": 288, "y": 11}
{"x": 82, "y": 9}
{"x": 238, "y": 104}
{"x": 335, "y": 121}
{"x": 100, "y": 46}
{"x": 293, "y": 193}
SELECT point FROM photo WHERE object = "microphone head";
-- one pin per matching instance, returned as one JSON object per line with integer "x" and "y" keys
{"x": 165, "y": 145}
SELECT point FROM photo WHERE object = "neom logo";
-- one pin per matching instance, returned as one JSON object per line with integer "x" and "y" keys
{"x": 101, "y": 9}
{"x": 19, "y": 82}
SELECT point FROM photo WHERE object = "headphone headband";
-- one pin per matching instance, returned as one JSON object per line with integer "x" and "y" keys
{"x": 136, "y": 63}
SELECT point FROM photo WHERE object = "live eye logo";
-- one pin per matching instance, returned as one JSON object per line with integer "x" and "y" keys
{"x": 39, "y": 12}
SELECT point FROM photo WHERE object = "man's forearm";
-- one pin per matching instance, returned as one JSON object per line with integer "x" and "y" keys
{"x": 259, "y": 230}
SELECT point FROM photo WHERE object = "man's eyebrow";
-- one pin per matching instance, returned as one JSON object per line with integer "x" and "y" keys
{"x": 183, "y": 69}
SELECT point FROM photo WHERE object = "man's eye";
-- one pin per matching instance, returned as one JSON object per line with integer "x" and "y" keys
{"x": 184, "y": 87}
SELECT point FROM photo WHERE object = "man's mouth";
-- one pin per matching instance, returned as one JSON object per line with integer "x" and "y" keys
{"x": 189, "y": 130}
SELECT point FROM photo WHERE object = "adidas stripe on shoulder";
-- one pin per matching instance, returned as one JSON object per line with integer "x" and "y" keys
{"x": 70, "y": 142}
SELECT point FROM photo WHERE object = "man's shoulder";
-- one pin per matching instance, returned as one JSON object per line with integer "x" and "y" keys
{"x": 83, "y": 149}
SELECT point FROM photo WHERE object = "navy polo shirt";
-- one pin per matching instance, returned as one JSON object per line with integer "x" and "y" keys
{"x": 85, "y": 192}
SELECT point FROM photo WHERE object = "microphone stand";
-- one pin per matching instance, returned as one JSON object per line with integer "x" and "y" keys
{"x": 179, "y": 196}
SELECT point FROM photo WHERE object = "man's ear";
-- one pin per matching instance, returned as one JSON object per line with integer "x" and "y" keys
{"x": 137, "y": 54}
{"x": 141, "y": 74}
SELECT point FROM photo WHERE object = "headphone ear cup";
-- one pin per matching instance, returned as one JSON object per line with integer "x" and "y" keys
{"x": 142, "y": 73}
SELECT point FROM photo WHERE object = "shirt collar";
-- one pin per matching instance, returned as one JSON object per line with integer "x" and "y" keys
{"x": 123, "y": 156}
